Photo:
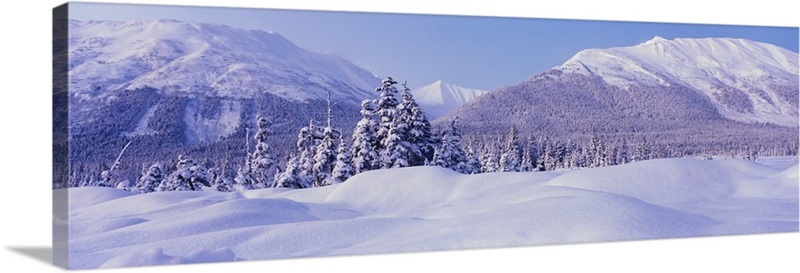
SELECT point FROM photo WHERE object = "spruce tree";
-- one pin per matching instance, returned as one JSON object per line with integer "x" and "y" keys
{"x": 262, "y": 161}
{"x": 365, "y": 156}
{"x": 415, "y": 129}
{"x": 291, "y": 178}
{"x": 188, "y": 177}
{"x": 450, "y": 154}
{"x": 218, "y": 180}
{"x": 343, "y": 169}
{"x": 488, "y": 161}
{"x": 510, "y": 159}
{"x": 151, "y": 178}
{"x": 386, "y": 112}
{"x": 324, "y": 159}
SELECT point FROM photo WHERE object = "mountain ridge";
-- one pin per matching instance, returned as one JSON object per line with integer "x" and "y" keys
{"x": 617, "y": 98}
{"x": 181, "y": 58}
{"x": 748, "y": 81}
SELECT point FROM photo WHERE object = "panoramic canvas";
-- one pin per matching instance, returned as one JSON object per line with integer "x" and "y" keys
{"x": 199, "y": 134}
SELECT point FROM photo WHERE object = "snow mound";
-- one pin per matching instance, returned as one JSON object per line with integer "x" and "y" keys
{"x": 664, "y": 181}
{"x": 431, "y": 208}
{"x": 396, "y": 191}
{"x": 157, "y": 257}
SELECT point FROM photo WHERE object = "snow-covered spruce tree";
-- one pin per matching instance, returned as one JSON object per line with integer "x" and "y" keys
{"x": 299, "y": 172}
{"x": 306, "y": 149}
{"x": 488, "y": 161}
{"x": 395, "y": 153}
{"x": 543, "y": 147}
{"x": 151, "y": 178}
{"x": 526, "y": 165}
{"x": 473, "y": 161}
{"x": 386, "y": 112}
{"x": 218, "y": 180}
{"x": 365, "y": 155}
{"x": 450, "y": 154}
{"x": 510, "y": 159}
{"x": 244, "y": 176}
{"x": 343, "y": 169}
{"x": 533, "y": 152}
{"x": 622, "y": 152}
{"x": 291, "y": 178}
{"x": 416, "y": 132}
{"x": 324, "y": 159}
{"x": 262, "y": 162}
{"x": 188, "y": 177}
{"x": 642, "y": 151}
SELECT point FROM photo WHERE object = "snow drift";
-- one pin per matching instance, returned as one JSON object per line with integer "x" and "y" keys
{"x": 430, "y": 208}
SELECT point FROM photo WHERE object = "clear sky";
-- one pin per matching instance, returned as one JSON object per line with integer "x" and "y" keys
{"x": 476, "y": 52}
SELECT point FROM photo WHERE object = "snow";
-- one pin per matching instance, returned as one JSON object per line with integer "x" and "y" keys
{"x": 712, "y": 66}
{"x": 439, "y": 98}
{"x": 432, "y": 208}
{"x": 189, "y": 58}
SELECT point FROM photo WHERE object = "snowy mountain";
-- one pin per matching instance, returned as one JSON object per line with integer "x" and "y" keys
{"x": 170, "y": 86}
{"x": 439, "y": 97}
{"x": 180, "y": 58}
{"x": 431, "y": 208}
{"x": 689, "y": 93}
{"x": 747, "y": 81}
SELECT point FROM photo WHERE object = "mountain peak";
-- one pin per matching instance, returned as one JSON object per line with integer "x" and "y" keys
{"x": 656, "y": 39}
{"x": 748, "y": 81}
{"x": 439, "y": 97}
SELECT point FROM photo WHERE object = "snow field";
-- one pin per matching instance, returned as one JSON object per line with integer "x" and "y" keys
{"x": 431, "y": 208}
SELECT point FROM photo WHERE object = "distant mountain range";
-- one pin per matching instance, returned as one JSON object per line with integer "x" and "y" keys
{"x": 439, "y": 98}
{"x": 687, "y": 90}
{"x": 173, "y": 87}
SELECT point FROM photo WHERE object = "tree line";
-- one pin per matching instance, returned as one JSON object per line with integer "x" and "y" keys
{"x": 393, "y": 133}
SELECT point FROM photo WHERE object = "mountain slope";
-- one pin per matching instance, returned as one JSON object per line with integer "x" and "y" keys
{"x": 173, "y": 87}
{"x": 439, "y": 97}
{"x": 182, "y": 58}
{"x": 690, "y": 93}
{"x": 747, "y": 81}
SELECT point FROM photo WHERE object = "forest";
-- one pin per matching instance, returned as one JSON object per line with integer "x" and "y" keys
{"x": 392, "y": 132}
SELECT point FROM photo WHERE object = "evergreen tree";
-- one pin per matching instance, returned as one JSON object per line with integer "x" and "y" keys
{"x": 473, "y": 163}
{"x": 151, "y": 178}
{"x": 291, "y": 177}
{"x": 488, "y": 161}
{"x": 543, "y": 155}
{"x": 386, "y": 112}
{"x": 642, "y": 151}
{"x": 365, "y": 156}
{"x": 344, "y": 165}
{"x": 244, "y": 180}
{"x": 324, "y": 159}
{"x": 510, "y": 159}
{"x": 395, "y": 151}
{"x": 622, "y": 152}
{"x": 188, "y": 177}
{"x": 261, "y": 160}
{"x": 218, "y": 180}
{"x": 415, "y": 130}
{"x": 450, "y": 154}
{"x": 306, "y": 148}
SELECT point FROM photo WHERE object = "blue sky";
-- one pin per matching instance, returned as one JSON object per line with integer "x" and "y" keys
{"x": 476, "y": 52}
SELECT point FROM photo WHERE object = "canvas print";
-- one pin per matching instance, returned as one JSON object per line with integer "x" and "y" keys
{"x": 198, "y": 134}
